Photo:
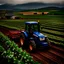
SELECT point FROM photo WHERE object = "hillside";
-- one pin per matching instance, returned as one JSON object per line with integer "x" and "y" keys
{"x": 29, "y": 6}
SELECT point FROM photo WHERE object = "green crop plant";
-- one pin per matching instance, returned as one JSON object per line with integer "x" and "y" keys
{"x": 1, "y": 49}
{"x": 14, "y": 53}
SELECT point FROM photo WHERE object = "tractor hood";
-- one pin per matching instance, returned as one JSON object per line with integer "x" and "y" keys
{"x": 38, "y": 34}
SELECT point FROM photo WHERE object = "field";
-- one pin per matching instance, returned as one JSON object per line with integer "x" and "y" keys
{"x": 51, "y": 26}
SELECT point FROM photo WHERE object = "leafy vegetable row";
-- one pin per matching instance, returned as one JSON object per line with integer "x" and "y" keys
{"x": 13, "y": 53}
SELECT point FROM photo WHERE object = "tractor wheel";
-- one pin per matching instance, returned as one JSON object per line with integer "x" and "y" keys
{"x": 32, "y": 45}
{"x": 22, "y": 39}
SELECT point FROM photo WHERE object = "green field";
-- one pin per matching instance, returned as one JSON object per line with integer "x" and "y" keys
{"x": 51, "y": 25}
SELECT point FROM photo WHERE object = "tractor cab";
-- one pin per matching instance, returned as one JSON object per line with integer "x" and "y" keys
{"x": 31, "y": 27}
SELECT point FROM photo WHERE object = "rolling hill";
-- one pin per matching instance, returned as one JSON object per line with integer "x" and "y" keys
{"x": 29, "y": 6}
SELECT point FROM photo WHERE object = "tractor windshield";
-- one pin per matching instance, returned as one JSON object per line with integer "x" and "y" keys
{"x": 32, "y": 27}
{"x": 35, "y": 27}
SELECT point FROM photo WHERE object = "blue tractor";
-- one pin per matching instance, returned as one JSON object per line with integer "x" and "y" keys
{"x": 32, "y": 38}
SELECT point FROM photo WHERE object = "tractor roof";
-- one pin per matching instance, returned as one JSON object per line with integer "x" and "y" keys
{"x": 31, "y": 22}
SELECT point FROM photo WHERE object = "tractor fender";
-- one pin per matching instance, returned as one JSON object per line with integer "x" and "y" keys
{"x": 25, "y": 33}
{"x": 23, "y": 39}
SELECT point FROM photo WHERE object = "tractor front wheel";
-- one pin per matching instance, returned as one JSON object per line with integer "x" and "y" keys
{"x": 32, "y": 45}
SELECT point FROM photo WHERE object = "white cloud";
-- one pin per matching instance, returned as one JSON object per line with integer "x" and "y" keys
{"x": 26, "y": 1}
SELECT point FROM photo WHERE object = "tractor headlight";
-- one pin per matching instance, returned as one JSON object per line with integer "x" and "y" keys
{"x": 42, "y": 39}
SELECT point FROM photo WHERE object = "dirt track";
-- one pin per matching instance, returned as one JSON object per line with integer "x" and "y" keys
{"x": 54, "y": 55}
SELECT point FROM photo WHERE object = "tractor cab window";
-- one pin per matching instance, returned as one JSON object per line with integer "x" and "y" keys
{"x": 32, "y": 27}
{"x": 29, "y": 28}
{"x": 35, "y": 27}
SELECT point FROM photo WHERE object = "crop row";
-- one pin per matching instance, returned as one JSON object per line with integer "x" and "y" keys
{"x": 56, "y": 33}
{"x": 58, "y": 43}
{"x": 15, "y": 24}
{"x": 53, "y": 26}
{"x": 54, "y": 38}
{"x": 55, "y": 29}
{"x": 14, "y": 53}
{"x": 9, "y": 55}
{"x": 44, "y": 23}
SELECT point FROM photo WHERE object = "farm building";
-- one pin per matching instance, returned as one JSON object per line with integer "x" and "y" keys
{"x": 30, "y": 13}
{"x": 45, "y": 13}
{"x": 15, "y": 17}
{"x": 8, "y": 15}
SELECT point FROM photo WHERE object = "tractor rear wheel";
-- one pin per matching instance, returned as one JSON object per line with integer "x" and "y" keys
{"x": 22, "y": 39}
{"x": 32, "y": 45}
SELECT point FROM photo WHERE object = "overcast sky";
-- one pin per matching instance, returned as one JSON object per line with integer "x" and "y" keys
{"x": 26, "y": 1}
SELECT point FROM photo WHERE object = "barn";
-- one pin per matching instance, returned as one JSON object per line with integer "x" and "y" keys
{"x": 30, "y": 13}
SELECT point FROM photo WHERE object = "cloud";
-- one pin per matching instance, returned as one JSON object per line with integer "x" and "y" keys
{"x": 26, "y": 1}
